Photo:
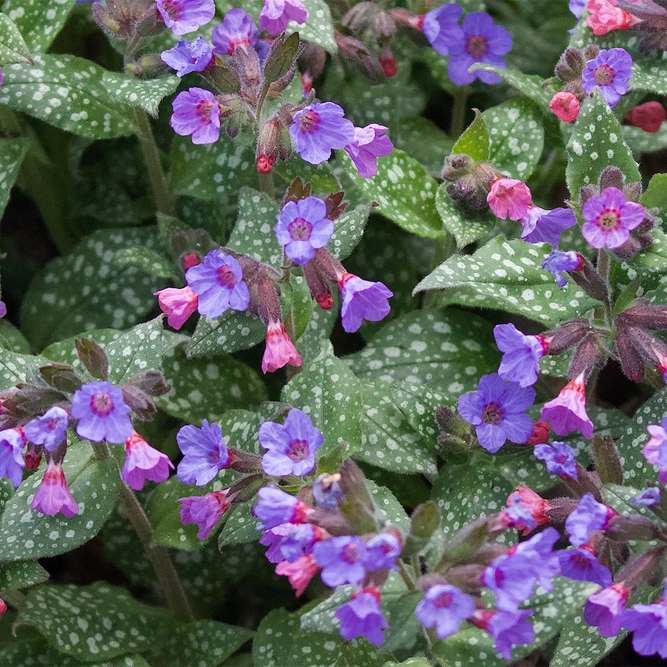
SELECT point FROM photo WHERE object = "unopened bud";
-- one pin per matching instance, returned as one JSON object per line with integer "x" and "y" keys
{"x": 628, "y": 249}
{"x": 611, "y": 177}
{"x": 189, "y": 260}
{"x": 384, "y": 27}
{"x": 388, "y": 62}
{"x": 150, "y": 66}
{"x": 585, "y": 358}
{"x": 358, "y": 54}
{"x": 591, "y": 52}
{"x": 645, "y": 315}
{"x": 633, "y": 192}
{"x": 450, "y": 422}
{"x": 563, "y": 338}
{"x": 272, "y": 145}
{"x": 570, "y": 65}
{"x": 540, "y": 433}
{"x": 141, "y": 403}
{"x": 632, "y": 363}
{"x": 586, "y": 192}
{"x": 648, "y": 116}
{"x": 636, "y": 527}
{"x": 33, "y": 456}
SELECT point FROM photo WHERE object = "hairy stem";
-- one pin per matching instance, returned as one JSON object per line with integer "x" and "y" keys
{"x": 458, "y": 112}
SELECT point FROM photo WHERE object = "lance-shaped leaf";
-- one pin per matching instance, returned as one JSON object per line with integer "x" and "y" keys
{"x": 39, "y": 21}
{"x": 12, "y": 152}
{"x": 13, "y": 48}
{"x": 144, "y": 93}
{"x": 475, "y": 140}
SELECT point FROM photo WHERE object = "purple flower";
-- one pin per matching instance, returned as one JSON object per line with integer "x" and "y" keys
{"x": 318, "y": 128}
{"x": 303, "y": 227}
{"x": 48, "y": 430}
{"x": 275, "y": 507}
{"x": 589, "y": 515}
{"x": 276, "y": 14}
{"x": 498, "y": 411}
{"x": 559, "y": 261}
{"x": 204, "y": 511}
{"x": 559, "y": 458}
{"x": 512, "y": 576}
{"x": 648, "y": 622}
{"x": 204, "y": 453}
{"x": 567, "y": 412}
{"x": 188, "y": 56}
{"x": 341, "y": 560}
{"x": 196, "y": 112}
{"x": 3, "y": 305}
{"x": 327, "y": 491}
{"x": 439, "y": 23}
{"x": 184, "y": 16}
{"x": 382, "y": 552}
{"x": 521, "y": 354}
{"x": 519, "y": 515}
{"x": 604, "y": 609}
{"x": 610, "y": 71}
{"x": 577, "y": 7}
{"x": 102, "y": 413}
{"x": 53, "y": 496}
{"x": 291, "y": 447}
{"x": 647, "y": 498}
{"x": 237, "y": 29}
{"x": 143, "y": 462}
{"x": 609, "y": 218}
{"x": 12, "y": 442}
{"x": 541, "y": 226}
{"x": 368, "y": 145}
{"x": 362, "y": 300}
{"x": 444, "y": 607}
{"x": 362, "y": 616}
{"x": 582, "y": 565}
{"x": 290, "y": 541}
{"x": 655, "y": 450}
{"x": 478, "y": 41}
{"x": 218, "y": 281}
{"x": 508, "y": 628}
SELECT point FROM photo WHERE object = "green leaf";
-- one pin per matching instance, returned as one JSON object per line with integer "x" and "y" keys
{"x": 88, "y": 290}
{"x": 404, "y": 191}
{"x": 15, "y": 367}
{"x": 240, "y": 527}
{"x": 93, "y": 623}
{"x": 320, "y": 176}
{"x": 596, "y": 143}
{"x": 318, "y": 28}
{"x": 516, "y": 135}
{"x": 649, "y": 74}
{"x": 39, "y": 21}
{"x": 465, "y": 228}
{"x": 475, "y": 141}
{"x": 446, "y": 351}
{"x": 144, "y": 93}
{"x": 510, "y": 275}
{"x": 653, "y": 258}
{"x": 205, "y": 388}
{"x": 424, "y": 141}
{"x": 12, "y": 152}
{"x": 25, "y": 534}
{"x": 21, "y": 574}
{"x": 12, "y": 339}
{"x": 13, "y": 48}
{"x": 527, "y": 84}
{"x": 348, "y": 230}
{"x": 281, "y": 57}
{"x": 641, "y": 142}
{"x": 229, "y": 333}
{"x": 655, "y": 195}
{"x": 147, "y": 260}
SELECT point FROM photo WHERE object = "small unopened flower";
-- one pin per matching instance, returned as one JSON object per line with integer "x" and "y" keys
{"x": 327, "y": 491}
{"x": 53, "y": 496}
{"x": 604, "y": 609}
{"x": 341, "y": 560}
{"x": 291, "y": 447}
{"x": 204, "y": 453}
{"x": 319, "y": 128}
{"x": 609, "y": 218}
{"x": 362, "y": 300}
{"x": 509, "y": 198}
{"x": 279, "y": 350}
{"x": 196, "y": 112}
{"x": 559, "y": 458}
{"x": 508, "y": 628}
{"x": 605, "y": 16}
{"x": 581, "y": 564}
{"x": 12, "y": 442}
{"x": 276, "y": 14}
{"x": 521, "y": 354}
{"x": 566, "y": 106}
{"x": 143, "y": 462}
{"x": 610, "y": 71}
{"x": 439, "y": 23}
{"x": 177, "y": 304}
{"x": 237, "y": 29}
{"x": 648, "y": 116}
{"x": 218, "y": 281}
{"x": 647, "y": 498}
{"x": 362, "y": 617}
{"x": 648, "y": 623}
{"x": 382, "y": 552}
{"x": 559, "y": 261}
{"x": 303, "y": 227}
{"x": 184, "y": 16}
{"x": 299, "y": 573}
{"x": 188, "y": 56}
{"x": 48, "y": 430}
{"x": 444, "y": 607}
{"x": 542, "y": 226}
{"x": 388, "y": 62}
{"x": 589, "y": 515}
{"x": 274, "y": 507}
{"x": 567, "y": 412}
{"x": 498, "y": 411}
{"x": 526, "y": 510}
{"x": 102, "y": 413}
{"x": 368, "y": 145}
{"x": 204, "y": 511}
{"x": 3, "y": 604}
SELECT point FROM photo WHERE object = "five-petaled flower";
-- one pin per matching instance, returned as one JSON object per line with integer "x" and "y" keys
{"x": 204, "y": 453}
{"x": 303, "y": 227}
{"x": 610, "y": 71}
{"x": 276, "y": 14}
{"x": 319, "y": 128}
{"x": 184, "y": 16}
{"x": 609, "y": 218}
{"x": 196, "y": 113}
{"x": 102, "y": 413}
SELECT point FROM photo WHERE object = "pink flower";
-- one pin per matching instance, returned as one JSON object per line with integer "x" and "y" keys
{"x": 205, "y": 511}
{"x": 368, "y": 145}
{"x": 604, "y": 609}
{"x": 605, "y": 16}
{"x": 655, "y": 450}
{"x": 143, "y": 462}
{"x": 299, "y": 573}
{"x": 280, "y": 350}
{"x": 566, "y": 106}
{"x": 509, "y": 198}
{"x": 276, "y": 14}
{"x": 177, "y": 304}
{"x": 567, "y": 412}
{"x": 648, "y": 116}
{"x": 609, "y": 219}
{"x": 536, "y": 506}
{"x": 196, "y": 112}
{"x": 53, "y": 496}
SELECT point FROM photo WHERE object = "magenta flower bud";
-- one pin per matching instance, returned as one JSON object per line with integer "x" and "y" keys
{"x": 362, "y": 617}
{"x": 362, "y": 300}
{"x": 196, "y": 113}
{"x": 542, "y": 226}
{"x": 237, "y": 29}
{"x": 526, "y": 510}
{"x": 581, "y": 564}
{"x": 559, "y": 458}
{"x": 177, "y": 304}
{"x": 204, "y": 511}
{"x": 521, "y": 354}
{"x": 279, "y": 350}
{"x": 382, "y": 552}
{"x": 368, "y": 145}
{"x": 275, "y": 507}
{"x": 204, "y": 453}
{"x": 319, "y": 128}
{"x": 604, "y": 608}
{"x": 610, "y": 218}
{"x": 444, "y": 608}
{"x": 276, "y": 14}
{"x": 341, "y": 559}
{"x": 143, "y": 462}
{"x": 588, "y": 516}
{"x": 299, "y": 573}
{"x": 508, "y": 628}
{"x": 102, "y": 413}
{"x": 188, "y": 56}
{"x": 567, "y": 412}
{"x": 509, "y": 198}
{"x": 53, "y": 496}
{"x": 12, "y": 442}
{"x": 439, "y": 23}
{"x": 48, "y": 430}
{"x": 184, "y": 16}
{"x": 610, "y": 71}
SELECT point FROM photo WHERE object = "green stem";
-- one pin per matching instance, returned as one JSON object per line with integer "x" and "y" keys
{"x": 405, "y": 575}
{"x": 167, "y": 577}
{"x": 603, "y": 268}
{"x": 15, "y": 598}
{"x": 458, "y": 112}
{"x": 266, "y": 184}
{"x": 164, "y": 200}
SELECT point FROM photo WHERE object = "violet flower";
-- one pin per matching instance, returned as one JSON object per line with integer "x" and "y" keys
{"x": 290, "y": 541}
{"x": 559, "y": 458}
{"x": 438, "y": 25}
{"x": 196, "y": 112}
{"x": 558, "y": 262}
{"x": 444, "y": 607}
{"x": 303, "y": 227}
{"x": 508, "y": 628}
{"x": 362, "y": 300}
{"x": 319, "y": 128}
{"x": 362, "y": 616}
{"x": 655, "y": 450}
{"x": 589, "y": 515}
{"x": 647, "y": 498}
{"x": 604, "y": 609}
{"x": 648, "y": 623}
{"x": 276, "y": 14}
{"x": 237, "y": 29}
{"x": 609, "y": 219}
{"x": 581, "y": 564}
{"x": 12, "y": 442}
{"x": 275, "y": 507}
{"x": 143, "y": 462}
{"x": 567, "y": 412}
{"x": 53, "y": 496}
{"x": 48, "y": 430}
{"x": 368, "y": 145}
{"x": 542, "y": 226}
{"x": 204, "y": 453}
{"x": 610, "y": 71}
{"x": 184, "y": 16}
{"x": 341, "y": 559}
{"x": 381, "y": 552}
{"x": 521, "y": 354}
{"x": 188, "y": 56}
{"x": 327, "y": 491}
{"x": 204, "y": 511}
{"x": 102, "y": 413}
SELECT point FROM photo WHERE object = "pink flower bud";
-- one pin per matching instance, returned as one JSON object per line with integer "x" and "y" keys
{"x": 299, "y": 573}
{"x": 388, "y": 62}
{"x": 190, "y": 260}
{"x": 648, "y": 116}
{"x": 177, "y": 304}
{"x": 540, "y": 434}
{"x": 509, "y": 198}
{"x": 604, "y": 16}
{"x": 280, "y": 350}
{"x": 566, "y": 106}
{"x": 3, "y": 604}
